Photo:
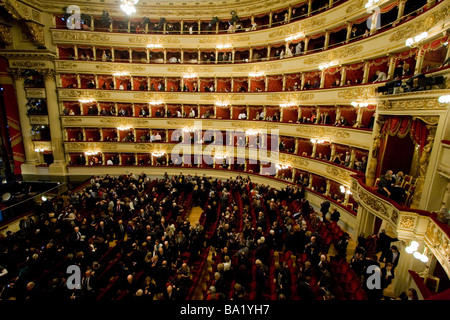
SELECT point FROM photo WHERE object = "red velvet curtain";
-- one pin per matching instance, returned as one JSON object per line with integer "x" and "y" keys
{"x": 274, "y": 83}
{"x": 173, "y": 84}
{"x": 381, "y": 64}
{"x": 253, "y": 111}
{"x": 223, "y": 85}
{"x": 331, "y": 74}
{"x": 354, "y": 72}
{"x": 69, "y": 81}
{"x": 290, "y": 114}
{"x": 292, "y": 79}
{"x": 223, "y": 112}
{"x": 304, "y": 146}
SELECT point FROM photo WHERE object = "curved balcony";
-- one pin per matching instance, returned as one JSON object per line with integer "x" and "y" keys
{"x": 313, "y": 40}
{"x": 358, "y": 138}
{"x": 405, "y": 222}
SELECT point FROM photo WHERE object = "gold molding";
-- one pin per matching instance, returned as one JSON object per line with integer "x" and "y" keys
{"x": 407, "y": 222}
{"x": 336, "y": 54}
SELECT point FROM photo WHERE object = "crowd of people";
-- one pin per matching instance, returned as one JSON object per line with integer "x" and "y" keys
{"x": 144, "y": 223}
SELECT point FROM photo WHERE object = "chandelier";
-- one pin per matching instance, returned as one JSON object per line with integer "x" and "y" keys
{"x": 128, "y": 6}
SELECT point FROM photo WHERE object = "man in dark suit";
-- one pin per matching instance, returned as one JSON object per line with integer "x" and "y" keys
{"x": 120, "y": 230}
{"x": 393, "y": 256}
{"x": 384, "y": 244}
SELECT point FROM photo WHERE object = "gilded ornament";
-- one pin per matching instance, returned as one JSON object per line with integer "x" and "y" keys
{"x": 336, "y": 54}
{"x": 407, "y": 222}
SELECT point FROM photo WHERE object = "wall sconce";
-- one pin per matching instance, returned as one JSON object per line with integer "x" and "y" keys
{"x": 86, "y": 101}
{"x": 189, "y": 76}
{"x": 39, "y": 150}
{"x": 120, "y": 74}
{"x": 153, "y": 45}
{"x": 444, "y": 99}
{"x": 289, "y": 104}
{"x": 223, "y": 46}
{"x": 411, "y": 42}
{"x": 412, "y": 249}
{"x": 91, "y": 153}
{"x": 128, "y": 7}
{"x": 343, "y": 189}
{"x": 157, "y": 154}
{"x": 222, "y": 104}
{"x": 123, "y": 128}
{"x": 371, "y": 3}
{"x": 281, "y": 166}
{"x": 294, "y": 37}
{"x": 319, "y": 141}
{"x": 326, "y": 65}
{"x": 251, "y": 132}
{"x": 155, "y": 103}
{"x": 359, "y": 104}
{"x": 256, "y": 74}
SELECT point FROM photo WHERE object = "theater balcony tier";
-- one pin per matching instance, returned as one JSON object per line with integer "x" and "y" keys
{"x": 309, "y": 97}
{"x": 317, "y": 35}
{"x": 359, "y": 138}
{"x": 407, "y": 224}
{"x": 265, "y": 12}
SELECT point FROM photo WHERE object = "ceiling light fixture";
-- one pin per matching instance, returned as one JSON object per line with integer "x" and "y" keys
{"x": 128, "y": 6}
{"x": 411, "y": 42}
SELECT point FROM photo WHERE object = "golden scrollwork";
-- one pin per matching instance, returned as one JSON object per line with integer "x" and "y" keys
{"x": 289, "y": 96}
{"x": 355, "y": 5}
{"x": 190, "y": 69}
{"x": 222, "y": 97}
{"x": 407, "y": 222}
{"x": 227, "y": 39}
{"x": 411, "y": 104}
{"x": 118, "y": 67}
{"x": 154, "y": 40}
{"x": 96, "y": 94}
{"x": 5, "y": 35}
{"x": 357, "y": 93}
{"x": 372, "y": 202}
{"x": 150, "y": 96}
{"x": 337, "y": 172}
{"x": 297, "y": 27}
{"x": 321, "y": 132}
{"x": 35, "y": 33}
{"x": 394, "y": 216}
{"x": 80, "y": 36}
{"x": 266, "y": 66}
{"x": 336, "y": 54}
{"x": 421, "y": 24}
{"x": 72, "y": 146}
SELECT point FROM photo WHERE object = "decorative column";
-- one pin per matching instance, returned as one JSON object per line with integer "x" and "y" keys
{"x": 310, "y": 182}
{"x": 306, "y": 45}
{"x": 372, "y": 160}
{"x": 313, "y": 154}
{"x": 343, "y": 75}
{"x": 333, "y": 151}
{"x": 352, "y": 159}
{"x": 31, "y": 157}
{"x": 327, "y": 189}
{"x": 309, "y": 7}
{"x": 423, "y": 163}
{"x": 327, "y": 40}
{"x": 366, "y": 72}
{"x": 419, "y": 60}
{"x": 349, "y": 31}
{"x": 359, "y": 114}
{"x": 322, "y": 79}
{"x": 391, "y": 68}
{"x": 284, "y": 83}
{"x": 270, "y": 18}
{"x": 401, "y": 9}
{"x": 58, "y": 167}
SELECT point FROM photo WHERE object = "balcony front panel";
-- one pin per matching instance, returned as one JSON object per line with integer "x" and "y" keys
{"x": 352, "y": 137}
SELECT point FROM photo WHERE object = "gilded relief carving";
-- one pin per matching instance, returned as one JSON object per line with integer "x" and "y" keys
{"x": 320, "y": 132}
{"x": 302, "y": 26}
{"x": 337, "y": 172}
{"x": 411, "y": 104}
{"x": 407, "y": 222}
{"x": 372, "y": 202}
{"x": 93, "y": 38}
{"x": 258, "y": 67}
{"x": 84, "y": 94}
{"x": 190, "y": 69}
{"x": 291, "y": 97}
{"x": 222, "y": 97}
{"x": 334, "y": 55}
{"x": 357, "y": 93}
{"x": 119, "y": 67}
{"x": 5, "y": 35}
{"x": 155, "y": 96}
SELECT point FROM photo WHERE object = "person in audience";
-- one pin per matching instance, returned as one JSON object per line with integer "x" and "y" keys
{"x": 341, "y": 122}
{"x": 379, "y": 76}
{"x": 385, "y": 185}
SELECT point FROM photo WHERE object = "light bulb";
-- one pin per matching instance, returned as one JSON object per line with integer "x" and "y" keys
{"x": 417, "y": 255}
{"x": 424, "y": 258}
{"x": 414, "y": 244}
{"x": 409, "y": 250}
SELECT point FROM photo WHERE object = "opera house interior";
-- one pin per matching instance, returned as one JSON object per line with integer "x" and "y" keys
{"x": 232, "y": 150}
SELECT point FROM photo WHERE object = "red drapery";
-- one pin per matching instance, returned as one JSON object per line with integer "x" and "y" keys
{"x": 331, "y": 74}
{"x": 223, "y": 85}
{"x": 274, "y": 83}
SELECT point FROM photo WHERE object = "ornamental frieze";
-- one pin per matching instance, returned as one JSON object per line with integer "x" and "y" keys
{"x": 267, "y": 66}
{"x": 84, "y": 94}
{"x": 291, "y": 29}
{"x": 90, "y": 146}
{"x": 290, "y": 96}
{"x": 154, "y": 40}
{"x": 337, "y": 172}
{"x": 413, "y": 104}
{"x": 371, "y": 201}
{"x": 334, "y": 55}
{"x": 407, "y": 222}
{"x": 357, "y": 93}
{"x": 229, "y": 39}
{"x": 190, "y": 69}
{"x": 422, "y": 24}
{"x": 86, "y": 37}
{"x": 119, "y": 67}
{"x": 155, "y": 96}
{"x": 320, "y": 132}
{"x": 222, "y": 97}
